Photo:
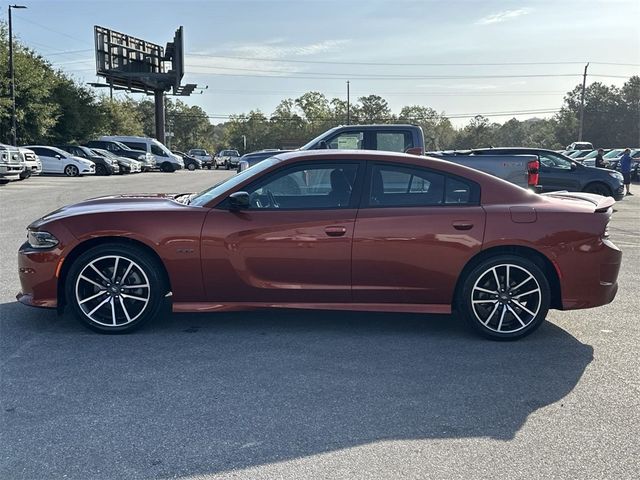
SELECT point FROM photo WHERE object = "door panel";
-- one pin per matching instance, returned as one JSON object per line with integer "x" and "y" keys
{"x": 415, "y": 254}
{"x": 278, "y": 256}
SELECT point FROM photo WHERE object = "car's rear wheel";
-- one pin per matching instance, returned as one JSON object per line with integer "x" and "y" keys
{"x": 505, "y": 297}
{"x": 599, "y": 189}
{"x": 71, "y": 171}
{"x": 114, "y": 288}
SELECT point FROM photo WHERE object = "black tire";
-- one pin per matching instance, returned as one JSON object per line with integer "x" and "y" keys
{"x": 598, "y": 188}
{"x": 26, "y": 174}
{"x": 143, "y": 265}
{"x": 217, "y": 166}
{"x": 501, "y": 316}
{"x": 166, "y": 167}
{"x": 227, "y": 165}
{"x": 208, "y": 167}
{"x": 101, "y": 170}
{"x": 191, "y": 166}
{"x": 71, "y": 171}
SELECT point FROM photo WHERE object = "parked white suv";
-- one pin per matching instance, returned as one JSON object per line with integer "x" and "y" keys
{"x": 57, "y": 161}
{"x": 32, "y": 164}
{"x": 11, "y": 162}
{"x": 167, "y": 161}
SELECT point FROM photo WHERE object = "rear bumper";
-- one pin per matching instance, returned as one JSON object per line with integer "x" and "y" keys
{"x": 590, "y": 277}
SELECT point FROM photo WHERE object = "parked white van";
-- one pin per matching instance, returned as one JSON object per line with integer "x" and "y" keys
{"x": 167, "y": 161}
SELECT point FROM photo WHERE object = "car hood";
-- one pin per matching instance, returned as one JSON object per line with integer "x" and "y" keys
{"x": 115, "y": 203}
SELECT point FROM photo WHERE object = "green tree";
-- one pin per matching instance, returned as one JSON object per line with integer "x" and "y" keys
{"x": 374, "y": 109}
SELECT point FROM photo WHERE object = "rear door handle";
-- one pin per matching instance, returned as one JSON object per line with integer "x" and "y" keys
{"x": 335, "y": 231}
{"x": 462, "y": 225}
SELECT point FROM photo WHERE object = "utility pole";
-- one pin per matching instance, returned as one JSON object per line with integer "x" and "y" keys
{"x": 12, "y": 84}
{"x": 159, "y": 114}
{"x": 348, "y": 106}
{"x": 584, "y": 84}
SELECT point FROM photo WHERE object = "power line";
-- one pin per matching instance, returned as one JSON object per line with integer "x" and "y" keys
{"x": 387, "y": 64}
{"x": 51, "y": 29}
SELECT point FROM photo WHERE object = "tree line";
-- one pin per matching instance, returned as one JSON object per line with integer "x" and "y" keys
{"x": 52, "y": 107}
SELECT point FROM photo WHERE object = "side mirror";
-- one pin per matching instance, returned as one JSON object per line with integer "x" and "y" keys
{"x": 322, "y": 145}
{"x": 58, "y": 156}
{"x": 239, "y": 201}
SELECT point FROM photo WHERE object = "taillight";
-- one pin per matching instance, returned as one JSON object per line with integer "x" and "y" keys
{"x": 533, "y": 170}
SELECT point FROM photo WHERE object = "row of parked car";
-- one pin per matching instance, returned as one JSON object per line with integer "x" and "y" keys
{"x": 611, "y": 158}
{"x": 107, "y": 155}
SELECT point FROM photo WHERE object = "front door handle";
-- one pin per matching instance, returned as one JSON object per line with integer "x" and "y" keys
{"x": 335, "y": 231}
{"x": 462, "y": 225}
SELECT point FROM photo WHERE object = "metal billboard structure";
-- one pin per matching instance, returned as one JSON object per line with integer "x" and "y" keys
{"x": 132, "y": 64}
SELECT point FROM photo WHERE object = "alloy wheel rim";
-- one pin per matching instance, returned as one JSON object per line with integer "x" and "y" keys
{"x": 71, "y": 171}
{"x": 112, "y": 291}
{"x": 506, "y": 298}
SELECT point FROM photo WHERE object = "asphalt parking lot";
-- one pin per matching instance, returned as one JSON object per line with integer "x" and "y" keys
{"x": 299, "y": 395}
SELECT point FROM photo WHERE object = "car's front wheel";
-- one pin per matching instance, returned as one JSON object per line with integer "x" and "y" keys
{"x": 115, "y": 288}
{"x": 71, "y": 171}
{"x": 166, "y": 167}
{"x": 505, "y": 297}
{"x": 191, "y": 166}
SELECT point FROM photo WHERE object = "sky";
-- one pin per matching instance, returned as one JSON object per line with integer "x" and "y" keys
{"x": 494, "y": 57}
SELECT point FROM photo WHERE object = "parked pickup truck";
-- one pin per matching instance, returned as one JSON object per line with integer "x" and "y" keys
{"x": 521, "y": 170}
{"x": 405, "y": 138}
{"x": 11, "y": 162}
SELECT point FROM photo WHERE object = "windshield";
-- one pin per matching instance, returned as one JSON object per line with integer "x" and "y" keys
{"x": 614, "y": 153}
{"x": 206, "y": 196}
{"x": 308, "y": 146}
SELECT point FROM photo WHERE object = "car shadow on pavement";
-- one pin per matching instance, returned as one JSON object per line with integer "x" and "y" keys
{"x": 209, "y": 393}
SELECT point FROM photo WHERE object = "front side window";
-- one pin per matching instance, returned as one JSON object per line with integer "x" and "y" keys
{"x": 306, "y": 187}
{"x": 405, "y": 186}
{"x": 553, "y": 161}
{"x": 347, "y": 141}
{"x": 157, "y": 151}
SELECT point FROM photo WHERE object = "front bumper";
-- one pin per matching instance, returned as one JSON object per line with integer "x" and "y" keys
{"x": 37, "y": 272}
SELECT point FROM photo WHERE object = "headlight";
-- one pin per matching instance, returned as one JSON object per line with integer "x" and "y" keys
{"x": 41, "y": 239}
{"x": 616, "y": 175}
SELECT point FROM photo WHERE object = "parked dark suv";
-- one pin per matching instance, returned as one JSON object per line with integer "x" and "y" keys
{"x": 104, "y": 166}
{"x": 558, "y": 172}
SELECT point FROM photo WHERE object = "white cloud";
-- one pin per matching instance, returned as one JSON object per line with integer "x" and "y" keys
{"x": 503, "y": 16}
{"x": 276, "y": 48}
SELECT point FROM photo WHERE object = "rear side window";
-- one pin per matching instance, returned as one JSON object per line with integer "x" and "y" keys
{"x": 136, "y": 146}
{"x": 403, "y": 186}
{"x": 393, "y": 141}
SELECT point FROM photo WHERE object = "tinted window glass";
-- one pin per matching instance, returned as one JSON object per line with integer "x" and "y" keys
{"x": 397, "y": 185}
{"x": 306, "y": 187}
{"x": 157, "y": 151}
{"x": 554, "y": 161}
{"x": 393, "y": 141}
{"x": 136, "y": 146}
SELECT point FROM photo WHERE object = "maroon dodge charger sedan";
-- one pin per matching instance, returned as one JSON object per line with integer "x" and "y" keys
{"x": 348, "y": 230}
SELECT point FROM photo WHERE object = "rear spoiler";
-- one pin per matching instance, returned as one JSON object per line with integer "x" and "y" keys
{"x": 601, "y": 204}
